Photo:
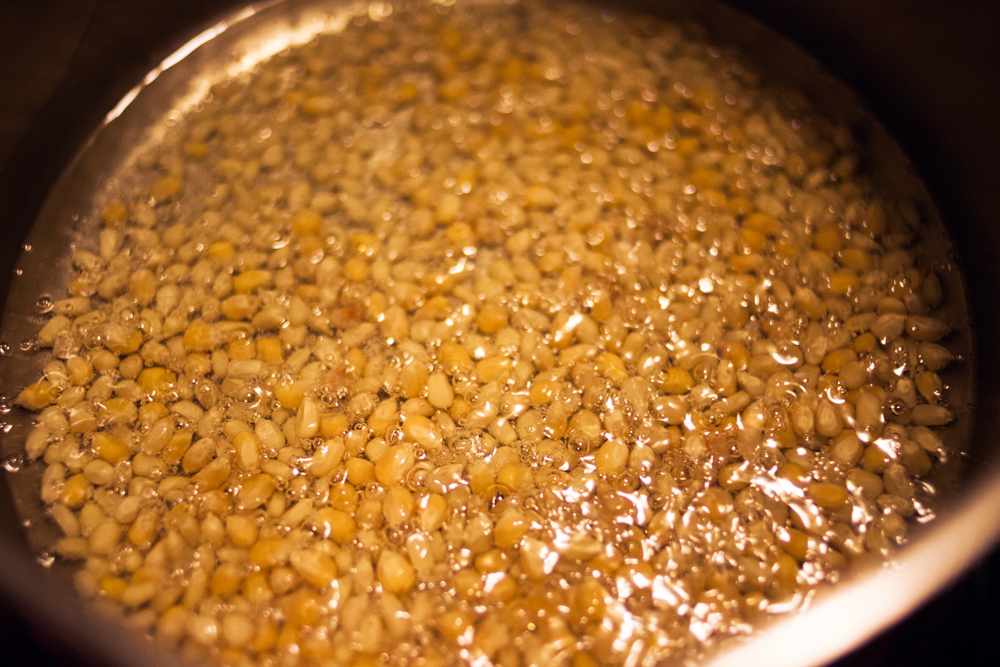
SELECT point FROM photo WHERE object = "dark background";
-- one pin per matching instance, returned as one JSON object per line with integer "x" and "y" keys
{"x": 927, "y": 68}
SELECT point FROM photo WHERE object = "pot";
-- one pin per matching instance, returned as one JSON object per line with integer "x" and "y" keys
{"x": 925, "y": 70}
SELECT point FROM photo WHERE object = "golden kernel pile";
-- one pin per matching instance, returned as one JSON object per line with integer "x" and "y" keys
{"x": 514, "y": 335}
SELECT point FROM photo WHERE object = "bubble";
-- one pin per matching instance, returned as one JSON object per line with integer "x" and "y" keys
{"x": 44, "y": 303}
{"x": 13, "y": 462}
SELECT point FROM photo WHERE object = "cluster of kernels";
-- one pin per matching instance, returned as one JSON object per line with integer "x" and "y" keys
{"x": 523, "y": 336}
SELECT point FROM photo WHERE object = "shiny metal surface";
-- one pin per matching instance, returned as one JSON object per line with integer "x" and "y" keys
{"x": 840, "y": 619}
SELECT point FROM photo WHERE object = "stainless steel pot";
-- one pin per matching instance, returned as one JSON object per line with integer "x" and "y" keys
{"x": 923, "y": 67}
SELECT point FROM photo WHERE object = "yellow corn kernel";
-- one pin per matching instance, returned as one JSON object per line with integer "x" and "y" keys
{"x": 334, "y": 425}
{"x": 738, "y": 354}
{"x": 834, "y": 361}
{"x": 395, "y": 573}
{"x": 493, "y": 560}
{"x": 357, "y": 269}
{"x": 739, "y": 206}
{"x": 492, "y": 318}
{"x": 334, "y": 524}
{"x": 795, "y": 542}
{"x": 406, "y": 92}
{"x": 435, "y": 308}
{"x": 145, "y": 528}
{"x": 360, "y": 472}
{"x": 864, "y": 343}
{"x": 413, "y": 378}
{"x": 319, "y": 104}
{"x": 491, "y": 368}
{"x": 688, "y": 145}
{"x": 793, "y": 473}
{"x": 268, "y": 629}
{"x": 37, "y": 396}
{"x": 460, "y": 233}
{"x": 257, "y": 589}
{"x": 786, "y": 248}
{"x": 255, "y": 491}
{"x": 239, "y": 307}
{"x": 270, "y": 350}
{"x": 542, "y": 392}
{"x": 309, "y": 246}
{"x": 714, "y": 198}
{"x": 315, "y": 567}
{"x": 196, "y": 150}
{"x": 124, "y": 340}
{"x": 226, "y": 580}
{"x": 829, "y": 239}
{"x": 929, "y": 385}
{"x": 166, "y": 188}
{"x": 212, "y": 476}
{"x": 112, "y": 587}
{"x": 612, "y": 457}
{"x": 611, "y": 366}
{"x": 810, "y": 304}
{"x": 743, "y": 263}
{"x": 118, "y": 411}
{"x": 705, "y": 179}
{"x": 157, "y": 381}
{"x": 176, "y": 447}
{"x": 222, "y": 250}
{"x": 114, "y": 213}
{"x": 455, "y": 359}
{"x": 142, "y": 286}
{"x": 468, "y": 584}
{"x": 843, "y": 282}
{"x": 80, "y": 369}
{"x": 306, "y": 222}
{"x": 602, "y": 308}
{"x": 762, "y": 223}
{"x": 302, "y": 608}
{"x": 242, "y": 349}
{"x": 200, "y": 337}
{"x": 290, "y": 395}
{"x": 873, "y": 220}
{"x": 423, "y": 432}
{"x": 109, "y": 448}
{"x": 826, "y": 494}
{"x": 270, "y": 551}
{"x": 75, "y": 490}
{"x": 515, "y": 477}
{"x": 590, "y": 600}
{"x": 453, "y": 88}
{"x": 242, "y": 530}
{"x": 676, "y": 381}
{"x": 856, "y": 259}
{"x": 253, "y": 280}
{"x": 510, "y": 528}
{"x": 455, "y": 625}
{"x": 481, "y": 478}
{"x": 394, "y": 464}
{"x": 754, "y": 241}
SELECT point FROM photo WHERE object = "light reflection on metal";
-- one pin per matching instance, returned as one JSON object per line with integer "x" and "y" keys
{"x": 257, "y": 51}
